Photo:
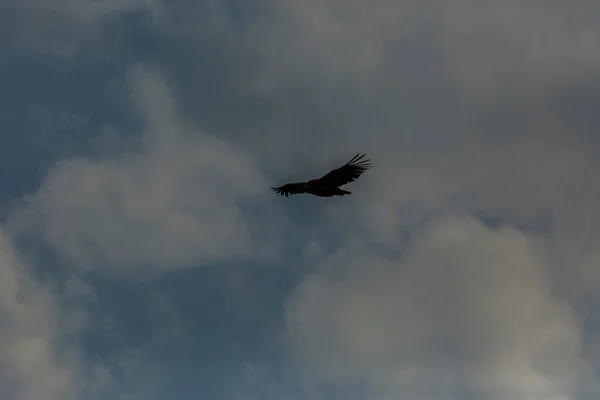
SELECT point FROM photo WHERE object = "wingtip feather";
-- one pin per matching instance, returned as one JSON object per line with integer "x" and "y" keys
{"x": 357, "y": 161}
{"x": 357, "y": 157}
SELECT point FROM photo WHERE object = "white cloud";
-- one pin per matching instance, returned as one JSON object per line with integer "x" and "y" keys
{"x": 464, "y": 306}
{"x": 30, "y": 365}
{"x": 42, "y": 356}
{"x": 174, "y": 203}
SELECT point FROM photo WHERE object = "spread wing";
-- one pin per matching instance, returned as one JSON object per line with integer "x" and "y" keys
{"x": 348, "y": 172}
{"x": 290, "y": 189}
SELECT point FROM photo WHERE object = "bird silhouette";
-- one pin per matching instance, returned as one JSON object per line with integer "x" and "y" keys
{"x": 329, "y": 184}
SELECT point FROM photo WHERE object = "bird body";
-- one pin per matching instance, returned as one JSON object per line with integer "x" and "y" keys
{"x": 329, "y": 184}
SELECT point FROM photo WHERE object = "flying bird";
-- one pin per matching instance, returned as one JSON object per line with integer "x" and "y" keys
{"x": 328, "y": 185}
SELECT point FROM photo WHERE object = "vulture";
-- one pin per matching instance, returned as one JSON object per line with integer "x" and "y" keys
{"x": 328, "y": 185}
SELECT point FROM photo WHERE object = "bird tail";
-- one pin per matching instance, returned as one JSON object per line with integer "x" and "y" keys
{"x": 341, "y": 192}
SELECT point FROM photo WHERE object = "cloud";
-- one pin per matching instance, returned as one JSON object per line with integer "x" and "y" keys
{"x": 176, "y": 202}
{"x": 61, "y": 27}
{"x": 420, "y": 82}
{"x": 483, "y": 45}
{"x": 42, "y": 339}
{"x": 483, "y": 111}
{"x": 32, "y": 367}
{"x": 465, "y": 306}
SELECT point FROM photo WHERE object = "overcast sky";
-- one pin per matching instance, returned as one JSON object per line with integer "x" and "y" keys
{"x": 143, "y": 255}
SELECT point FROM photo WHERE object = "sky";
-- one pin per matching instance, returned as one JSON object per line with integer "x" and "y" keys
{"x": 144, "y": 256}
